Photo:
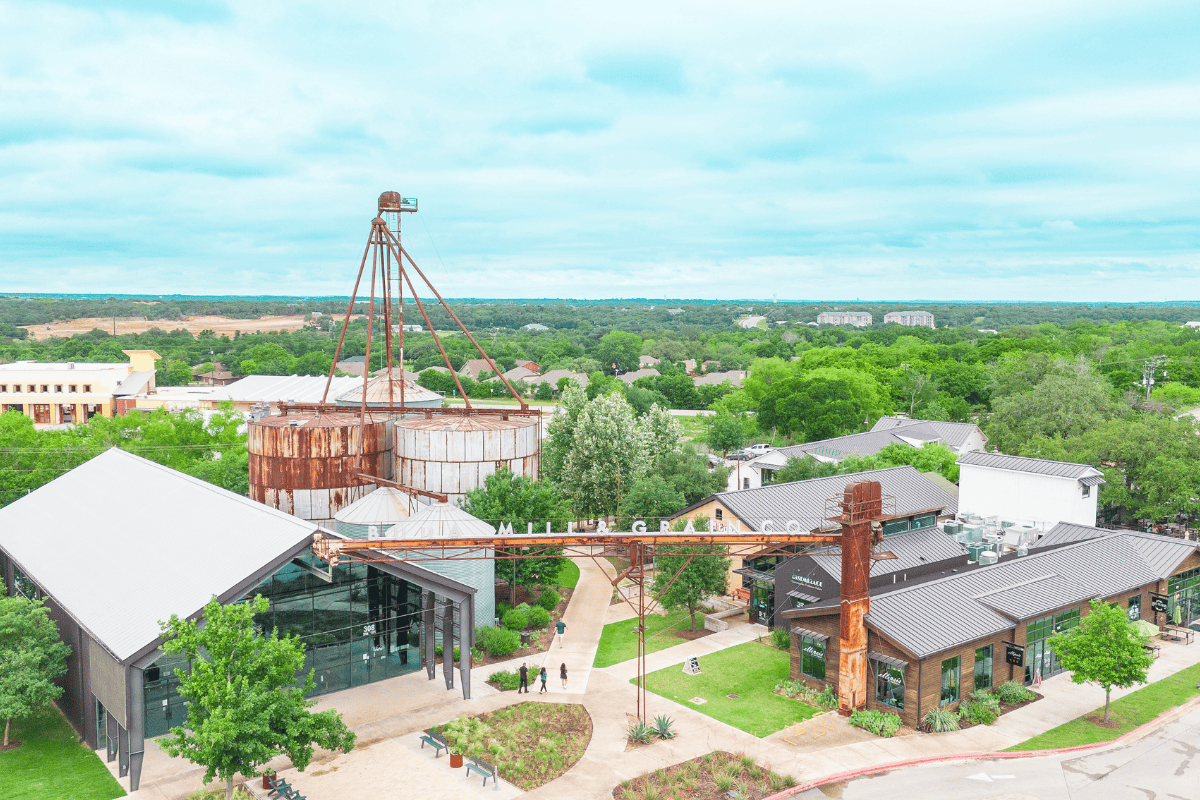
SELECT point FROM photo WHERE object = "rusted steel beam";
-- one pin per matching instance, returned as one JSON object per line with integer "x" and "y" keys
{"x": 346, "y": 322}
{"x": 441, "y": 498}
{"x": 862, "y": 506}
{"x": 436, "y": 339}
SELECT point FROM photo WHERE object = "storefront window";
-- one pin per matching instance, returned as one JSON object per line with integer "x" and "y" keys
{"x": 812, "y": 657}
{"x": 23, "y": 586}
{"x": 1184, "y": 588}
{"x": 983, "y": 668}
{"x": 1135, "y": 607}
{"x": 1039, "y": 658}
{"x": 889, "y": 685}
{"x": 951, "y": 679}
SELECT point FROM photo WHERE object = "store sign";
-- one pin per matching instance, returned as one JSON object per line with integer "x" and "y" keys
{"x": 892, "y": 676}
{"x": 1159, "y": 603}
{"x": 1014, "y": 654}
{"x": 815, "y": 652}
{"x": 692, "y": 667}
{"x": 807, "y": 581}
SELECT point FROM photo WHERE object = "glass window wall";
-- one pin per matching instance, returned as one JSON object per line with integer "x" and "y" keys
{"x": 951, "y": 680}
{"x": 812, "y": 657}
{"x": 983, "y": 668}
{"x": 889, "y": 685}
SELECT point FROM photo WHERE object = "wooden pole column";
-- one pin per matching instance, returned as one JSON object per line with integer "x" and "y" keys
{"x": 861, "y": 504}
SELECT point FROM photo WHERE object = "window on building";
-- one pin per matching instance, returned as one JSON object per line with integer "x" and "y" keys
{"x": 983, "y": 668}
{"x": 745, "y": 483}
{"x": 1135, "y": 607}
{"x": 889, "y": 685}
{"x": 41, "y": 413}
{"x": 951, "y": 680}
{"x": 31, "y": 388}
{"x": 1087, "y": 490}
{"x": 927, "y": 521}
{"x": 74, "y": 387}
{"x": 87, "y": 387}
{"x": 3, "y": 387}
{"x": 45, "y": 388}
{"x": 23, "y": 586}
{"x": 812, "y": 657}
{"x": 719, "y": 514}
{"x": 58, "y": 388}
{"x": 896, "y": 526}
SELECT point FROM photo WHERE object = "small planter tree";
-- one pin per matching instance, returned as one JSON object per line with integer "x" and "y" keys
{"x": 31, "y": 657}
{"x": 1104, "y": 649}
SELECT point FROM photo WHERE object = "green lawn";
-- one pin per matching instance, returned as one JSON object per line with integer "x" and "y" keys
{"x": 694, "y": 428}
{"x": 568, "y": 574}
{"x": 1132, "y": 710}
{"x": 618, "y": 642}
{"x": 749, "y": 670}
{"x": 51, "y": 764}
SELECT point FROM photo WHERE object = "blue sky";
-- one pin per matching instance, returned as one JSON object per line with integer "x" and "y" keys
{"x": 943, "y": 150}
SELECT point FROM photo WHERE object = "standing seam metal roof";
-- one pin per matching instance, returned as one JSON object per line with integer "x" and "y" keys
{"x": 912, "y": 549}
{"x": 804, "y": 501}
{"x": 1037, "y": 466}
{"x": 932, "y": 617}
{"x": 122, "y": 543}
{"x": 952, "y": 433}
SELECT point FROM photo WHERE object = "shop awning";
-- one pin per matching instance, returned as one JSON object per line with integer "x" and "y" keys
{"x": 757, "y": 575}
{"x": 892, "y": 662}
{"x": 820, "y": 637}
{"x": 808, "y": 598}
{"x": 1092, "y": 480}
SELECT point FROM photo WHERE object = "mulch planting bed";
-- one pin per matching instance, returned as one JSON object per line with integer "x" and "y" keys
{"x": 709, "y": 777}
{"x": 689, "y": 634}
{"x": 1004, "y": 709}
{"x": 530, "y": 744}
{"x": 539, "y": 639}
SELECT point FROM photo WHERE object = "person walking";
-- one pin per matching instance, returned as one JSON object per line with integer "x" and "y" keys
{"x": 562, "y": 631}
{"x": 524, "y": 679}
{"x": 543, "y": 677}
{"x": 562, "y": 673}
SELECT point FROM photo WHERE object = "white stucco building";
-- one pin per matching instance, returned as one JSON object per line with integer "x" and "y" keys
{"x": 1028, "y": 490}
{"x": 63, "y": 393}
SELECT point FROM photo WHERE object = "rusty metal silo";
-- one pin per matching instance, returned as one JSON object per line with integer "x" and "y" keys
{"x": 306, "y": 463}
{"x": 454, "y": 454}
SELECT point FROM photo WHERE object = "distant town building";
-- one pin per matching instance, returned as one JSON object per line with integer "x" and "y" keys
{"x": 859, "y": 319}
{"x": 1192, "y": 324}
{"x": 750, "y": 322}
{"x": 647, "y": 361}
{"x": 910, "y": 319}
{"x": 408, "y": 328}
{"x": 534, "y": 326}
{"x": 61, "y": 393}
{"x": 674, "y": 311}
{"x": 217, "y": 376}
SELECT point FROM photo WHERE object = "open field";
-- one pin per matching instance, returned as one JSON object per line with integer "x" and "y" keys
{"x": 193, "y": 325}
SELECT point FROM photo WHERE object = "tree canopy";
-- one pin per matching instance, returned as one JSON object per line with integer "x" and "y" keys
{"x": 1103, "y": 649}
{"x": 31, "y": 657}
{"x": 699, "y": 576}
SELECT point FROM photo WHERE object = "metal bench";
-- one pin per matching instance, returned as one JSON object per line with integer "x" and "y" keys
{"x": 1152, "y": 649}
{"x": 282, "y": 789}
{"x": 484, "y": 769}
{"x": 439, "y": 744}
{"x": 1177, "y": 634}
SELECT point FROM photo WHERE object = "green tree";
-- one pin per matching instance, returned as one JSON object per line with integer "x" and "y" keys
{"x": 649, "y": 498}
{"x": 726, "y": 432}
{"x": 518, "y": 501}
{"x": 173, "y": 373}
{"x": 621, "y": 348}
{"x": 702, "y": 576}
{"x": 1104, "y": 649}
{"x": 31, "y": 657}
{"x": 608, "y": 448}
{"x": 244, "y": 703}
{"x": 562, "y": 431}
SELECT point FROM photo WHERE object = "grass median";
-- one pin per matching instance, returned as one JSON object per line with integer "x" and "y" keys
{"x": 1134, "y": 709}
{"x": 51, "y": 763}
{"x": 749, "y": 671}
{"x": 618, "y": 641}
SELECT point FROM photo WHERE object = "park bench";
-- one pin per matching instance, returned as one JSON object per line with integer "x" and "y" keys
{"x": 484, "y": 769}
{"x": 282, "y": 789}
{"x": 439, "y": 744}
{"x": 1152, "y": 649}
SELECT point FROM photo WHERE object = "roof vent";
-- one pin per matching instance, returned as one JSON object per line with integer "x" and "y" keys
{"x": 293, "y": 423}
{"x": 70, "y": 365}
{"x": 446, "y": 427}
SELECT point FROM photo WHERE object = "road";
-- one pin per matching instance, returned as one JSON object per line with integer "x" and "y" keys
{"x": 1164, "y": 765}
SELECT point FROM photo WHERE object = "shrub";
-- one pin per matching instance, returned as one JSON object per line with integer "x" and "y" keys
{"x": 549, "y": 599}
{"x": 538, "y": 617}
{"x": 437, "y": 651}
{"x": 987, "y": 700}
{"x": 879, "y": 723}
{"x": 828, "y": 698}
{"x": 515, "y": 620}
{"x": 723, "y": 781}
{"x": 1012, "y": 693}
{"x": 640, "y": 732}
{"x": 506, "y": 680}
{"x": 663, "y": 727}
{"x": 940, "y": 720}
{"x": 977, "y": 713}
{"x": 502, "y": 609}
{"x": 497, "y": 641}
{"x": 781, "y": 638}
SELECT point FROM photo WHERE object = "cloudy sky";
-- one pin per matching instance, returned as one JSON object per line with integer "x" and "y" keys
{"x": 943, "y": 150}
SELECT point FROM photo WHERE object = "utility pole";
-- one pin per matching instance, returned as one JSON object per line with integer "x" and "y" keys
{"x": 1149, "y": 369}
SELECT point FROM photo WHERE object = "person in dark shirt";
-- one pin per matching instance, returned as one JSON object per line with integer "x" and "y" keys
{"x": 524, "y": 679}
{"x": 562, "y": 673}
{"x": 561, "y": 627}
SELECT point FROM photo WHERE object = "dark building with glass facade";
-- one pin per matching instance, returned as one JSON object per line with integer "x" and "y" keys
{"x": 136, "y": 543}
{"x": 933, "y": 640}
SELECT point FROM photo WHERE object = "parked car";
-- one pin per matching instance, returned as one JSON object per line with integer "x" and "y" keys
{"x": 715, "y": 461}
{"x": 736, "y": 455}
{"x": 759, "y": 449}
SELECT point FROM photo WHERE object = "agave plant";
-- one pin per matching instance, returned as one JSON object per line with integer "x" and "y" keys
{"x": 664, "y": 727}
{"x": 640, "y": 732}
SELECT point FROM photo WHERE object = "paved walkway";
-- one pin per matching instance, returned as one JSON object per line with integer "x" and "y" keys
{"x": 388, "y": 715}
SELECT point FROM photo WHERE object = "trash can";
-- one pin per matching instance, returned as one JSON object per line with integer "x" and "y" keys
{"x": 524, "y": 638}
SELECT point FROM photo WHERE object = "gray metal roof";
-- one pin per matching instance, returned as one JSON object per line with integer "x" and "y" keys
{"x": 283, "y": 388}
{"x": 1069, "y": 533}
{"x": 912, "y": 549}
{"x": 952, "y": 433}
{"x": 122, "y": 543}
{"x": 134, "y": 383}
{"x": 932, "y": 617}
{"x": 1038, "y": 466}
{"x": 837, "y": 448}
{"x": 804, "y": 501}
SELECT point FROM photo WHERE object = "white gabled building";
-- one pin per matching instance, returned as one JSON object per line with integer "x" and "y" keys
{"x": 1028, "y": 490}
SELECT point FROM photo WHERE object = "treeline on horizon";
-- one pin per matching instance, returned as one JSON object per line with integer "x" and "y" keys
{"x": 481, "y": 314}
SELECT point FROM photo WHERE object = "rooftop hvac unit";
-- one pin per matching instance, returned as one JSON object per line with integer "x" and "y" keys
{"x": 989, "y": 557}
{"x": 973, "y": 551}
{"x": 1022, "y": 551}
{"x": 953, "y": 528}
{"x": 1006, "y": 524}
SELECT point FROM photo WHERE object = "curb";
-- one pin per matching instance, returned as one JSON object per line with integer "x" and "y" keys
{"x": 1140, "y": 730}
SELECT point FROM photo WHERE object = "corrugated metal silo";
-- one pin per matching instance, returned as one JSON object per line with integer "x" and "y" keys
{"x": 378, "y": 511}
{"x": 415, "y": 395}
{"x": 443, "y": 520}
{"x": 305, "y": 463}
{"x": 452, "y": 455}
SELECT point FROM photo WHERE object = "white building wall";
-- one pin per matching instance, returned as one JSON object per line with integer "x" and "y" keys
{"x": 975, "y": 441}
{"x": 1024, "y": 496}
